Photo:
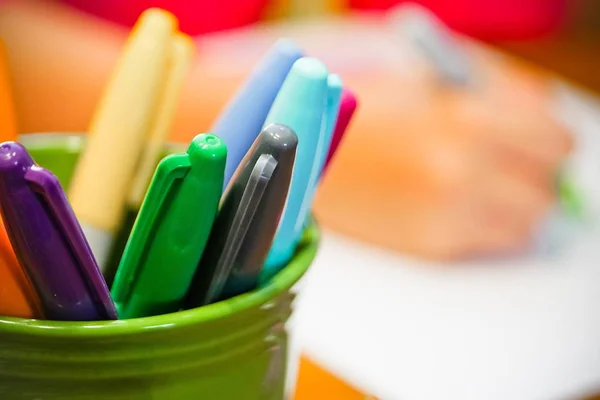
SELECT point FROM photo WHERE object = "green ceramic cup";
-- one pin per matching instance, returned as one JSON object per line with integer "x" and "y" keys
{"x": 235, "y": 349}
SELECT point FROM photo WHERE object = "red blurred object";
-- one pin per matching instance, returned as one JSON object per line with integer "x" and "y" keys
{"x": 489, "y": 19}
{"x": 195, "y": 16}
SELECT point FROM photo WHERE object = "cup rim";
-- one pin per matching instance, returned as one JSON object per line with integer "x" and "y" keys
{"x": 258, "y": 298}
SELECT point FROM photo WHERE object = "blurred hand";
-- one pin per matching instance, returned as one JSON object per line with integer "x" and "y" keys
{"x": 491, "y": 164}
{"x": 449, "y": 174}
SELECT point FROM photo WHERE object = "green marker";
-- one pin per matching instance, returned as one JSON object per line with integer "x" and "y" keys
{"x": 171, "y": 230}
{"x": 569, "y": 197}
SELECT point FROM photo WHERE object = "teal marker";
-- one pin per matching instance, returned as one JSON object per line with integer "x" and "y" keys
{"x": 300, "y": 105}
{"x": 332, "y": 109}
{"x": 171, "y": 230}
{"x": 335, "y": 86}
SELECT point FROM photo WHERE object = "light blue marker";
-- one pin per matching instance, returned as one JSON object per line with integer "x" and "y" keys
{"x": 300, "y": 105}
{"x": 332, "y": 109}
{"x": 335, "y": 86}
{"x": 243, "y": 118}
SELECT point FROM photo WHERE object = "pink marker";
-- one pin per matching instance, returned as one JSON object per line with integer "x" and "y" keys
{"x": 347, "y": 107}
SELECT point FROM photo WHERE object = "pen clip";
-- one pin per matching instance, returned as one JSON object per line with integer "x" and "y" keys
{"x": 47, "y": 187}
{"x": 171, "y": 169}
{"x": 255, "y": 188}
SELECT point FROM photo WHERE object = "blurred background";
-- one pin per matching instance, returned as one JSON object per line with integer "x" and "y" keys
{"x": 430, "y": 181}
{"x": 557, "y": 34}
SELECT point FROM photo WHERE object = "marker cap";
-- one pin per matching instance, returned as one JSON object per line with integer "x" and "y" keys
{"x": 48, "y": 240}
{"x": 243, "y": 118}
{"x": 171, "y": 230}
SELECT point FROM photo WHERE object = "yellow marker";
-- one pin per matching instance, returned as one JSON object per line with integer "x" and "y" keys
{"x": 180, "y": 61}
{"x": 119, "y": 129}
{"x": 182, "y": 51}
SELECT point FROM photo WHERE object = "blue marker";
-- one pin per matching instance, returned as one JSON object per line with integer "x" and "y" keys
{"x": 332, "y": 109}
{"x": 300, "y": 105}
{"x": 244, "y": 117}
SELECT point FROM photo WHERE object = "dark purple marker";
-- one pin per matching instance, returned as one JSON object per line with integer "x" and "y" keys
{"x": 48, "y": 240}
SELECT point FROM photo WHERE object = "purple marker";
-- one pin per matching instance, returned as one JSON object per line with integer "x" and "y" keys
{"x": 48, "y": 240}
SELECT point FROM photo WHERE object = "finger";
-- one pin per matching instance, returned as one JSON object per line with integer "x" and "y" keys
{"x": 497, "y": 241}
{"x": 506, "y": 191}
{"x": 507, "y": 78}
{"x": 513, "y": 163}
{"x": 500, "y": 229}
{"x": 537, "y": 137}
{"x": 522, "y": 106}
{"x": 516, "y": 115}
{"x": 519, "y": 88}
{"x": 486, "y": 231}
